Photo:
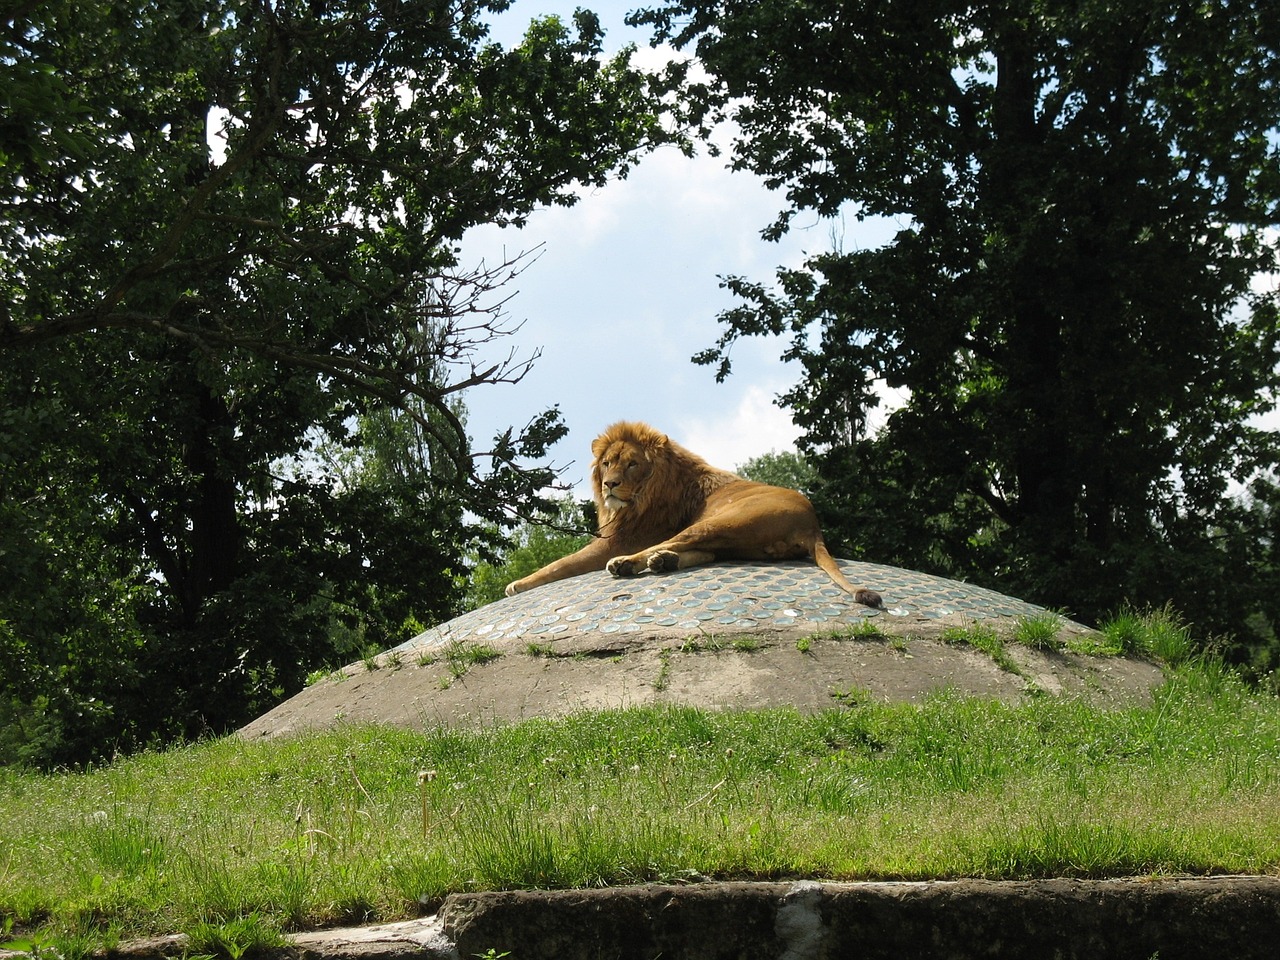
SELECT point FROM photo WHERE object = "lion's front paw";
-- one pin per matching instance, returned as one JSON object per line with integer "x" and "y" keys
{"x": 623, "y": 567}
{"x": 663, "y": 561}
{"x": 513, "y": 588}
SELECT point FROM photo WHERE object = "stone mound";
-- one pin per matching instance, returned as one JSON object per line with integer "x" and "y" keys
{"x": 724, "y": 636}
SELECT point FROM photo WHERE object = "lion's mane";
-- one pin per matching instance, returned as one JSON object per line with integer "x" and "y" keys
{"x": 669, "y": 498}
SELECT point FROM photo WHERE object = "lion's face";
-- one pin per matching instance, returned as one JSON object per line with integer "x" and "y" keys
{"x": 629, "y": 459}
{"x": 621, "y": 469}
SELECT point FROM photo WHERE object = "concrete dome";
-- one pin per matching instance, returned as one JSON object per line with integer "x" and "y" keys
{"x": 727, "y": 635}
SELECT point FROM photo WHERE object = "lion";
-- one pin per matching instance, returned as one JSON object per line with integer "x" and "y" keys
{"x": 661, "y": 507}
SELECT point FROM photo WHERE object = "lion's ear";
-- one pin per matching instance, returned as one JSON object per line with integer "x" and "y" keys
{"x": 655, "y": 444}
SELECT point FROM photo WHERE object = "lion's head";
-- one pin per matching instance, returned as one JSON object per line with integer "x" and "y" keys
{"x": 638, "y": 472}
{"x": 626, "y": 456}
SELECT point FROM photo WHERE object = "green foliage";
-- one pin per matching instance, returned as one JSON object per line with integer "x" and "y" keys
{"x": 234, "y": 937}
{"x": 235, "y": 334}
{"x": 787, "y": 469}
{"x": 867, "y": 630}
{"x": 1082, "y": 196}
{"x": 533, "y": 545}
{"x": 984, "y": 638}
{"x": 461, "y": 657}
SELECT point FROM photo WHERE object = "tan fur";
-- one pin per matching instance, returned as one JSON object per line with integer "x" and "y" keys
{"x": 662, "y": 507}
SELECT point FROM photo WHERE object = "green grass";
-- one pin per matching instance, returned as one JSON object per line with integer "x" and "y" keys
{"x": 331, "y": 828}
{"x": 459, "y": 658}
{"x": 232, "y": 842}
{"x": 234, "y": 938}
{"x": 1157, "y": 633}
{"x": 1039, "y": 632}
{"x": 984, "y": 638}
{"x": 864, "y": 630}
{"x": 663, "y": 679}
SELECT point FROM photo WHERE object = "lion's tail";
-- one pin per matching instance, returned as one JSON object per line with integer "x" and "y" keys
{"x": 822, "y": 557}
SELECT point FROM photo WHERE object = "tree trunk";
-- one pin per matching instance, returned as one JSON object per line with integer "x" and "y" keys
{"x": 215, "y": 521}
{"x": 1036, "y": 403}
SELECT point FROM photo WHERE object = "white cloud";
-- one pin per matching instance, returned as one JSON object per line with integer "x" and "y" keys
{"x": 756, "y": 425}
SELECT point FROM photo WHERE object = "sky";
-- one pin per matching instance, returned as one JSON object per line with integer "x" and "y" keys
{"x": 626, "y": 290}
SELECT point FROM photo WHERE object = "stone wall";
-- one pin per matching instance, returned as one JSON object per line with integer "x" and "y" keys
{"x": 1219, "y": 918}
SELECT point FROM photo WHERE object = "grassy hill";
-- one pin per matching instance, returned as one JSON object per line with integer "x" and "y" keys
{"x": 234, "y": 841}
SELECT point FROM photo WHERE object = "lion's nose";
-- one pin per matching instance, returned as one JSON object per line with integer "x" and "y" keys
{"x": 612, "y": 483}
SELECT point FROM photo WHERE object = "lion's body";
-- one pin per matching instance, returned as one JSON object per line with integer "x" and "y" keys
{"x": 663, "y": 508}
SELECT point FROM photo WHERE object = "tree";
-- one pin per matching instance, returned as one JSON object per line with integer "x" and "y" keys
{"x": 1084, "y": 192}
{"x": 786, "y": 469}
{"x": 228, "y": 239}
{"x": 559, "y": 532}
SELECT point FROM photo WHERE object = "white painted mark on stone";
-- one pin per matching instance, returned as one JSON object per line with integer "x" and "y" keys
{"x": 799, "y": 926}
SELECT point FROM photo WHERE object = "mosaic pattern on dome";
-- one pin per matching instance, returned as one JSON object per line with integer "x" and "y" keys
{"x": 720, "y": 597}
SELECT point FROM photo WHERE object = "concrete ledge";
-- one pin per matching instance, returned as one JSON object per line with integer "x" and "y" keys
{"x": 1213, "y": 918}
{"x": 1236, "y": 917}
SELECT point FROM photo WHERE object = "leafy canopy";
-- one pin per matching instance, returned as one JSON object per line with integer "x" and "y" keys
{"x": 781, "y": 469}
{"x": 1084, "y": 194}
{"x": 235, "y": 335}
